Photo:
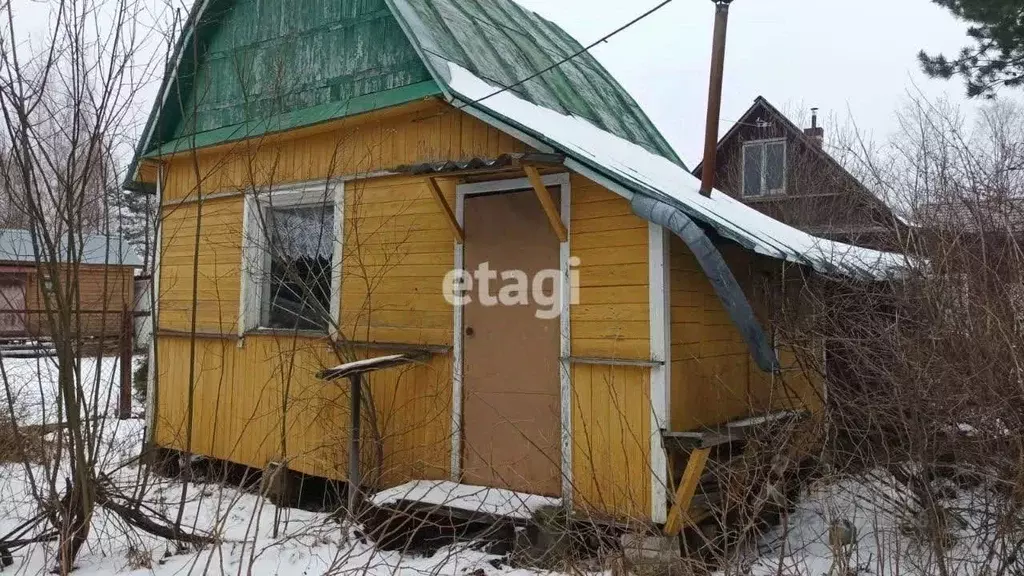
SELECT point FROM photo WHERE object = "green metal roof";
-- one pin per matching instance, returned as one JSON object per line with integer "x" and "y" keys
{"x": 245, "y": 68}
{"x": 503, "y": 43}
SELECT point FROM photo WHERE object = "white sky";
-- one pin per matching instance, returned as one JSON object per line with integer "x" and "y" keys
{"x": 848, "y": 57}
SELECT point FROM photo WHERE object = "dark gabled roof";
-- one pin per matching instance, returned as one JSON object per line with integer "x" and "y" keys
{"x": 791, "y": 128}
{"x": 347, "y": 57}
{"x": 971, "y": 215}
{"x": 798, "y": 135}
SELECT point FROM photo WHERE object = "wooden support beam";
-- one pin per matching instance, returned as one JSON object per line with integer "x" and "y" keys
{"x": 460, "y": 235}
{"x": 547, "y": 202}
{"x": 354, "y": 477}
{"x": 679, "y": 514}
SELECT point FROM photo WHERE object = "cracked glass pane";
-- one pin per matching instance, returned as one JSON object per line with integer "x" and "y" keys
{"x": 297, "y": 291}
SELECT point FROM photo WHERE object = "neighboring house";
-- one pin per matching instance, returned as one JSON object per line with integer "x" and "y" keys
{"x": 769, "y": 163}
{"x": 103, "y": 276}
{"x": 315, "y": 200}
{"x": 965, "y": 233}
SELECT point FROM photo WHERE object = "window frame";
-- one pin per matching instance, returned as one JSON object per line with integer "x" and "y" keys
{"x": 762, "y": 146}
{"x": 256, "y": 254}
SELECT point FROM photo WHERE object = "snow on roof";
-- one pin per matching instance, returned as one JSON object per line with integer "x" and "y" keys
{"x": 639, "y": 171}
{"x": 479, "y": 499}
{"x": 16, "y": 246}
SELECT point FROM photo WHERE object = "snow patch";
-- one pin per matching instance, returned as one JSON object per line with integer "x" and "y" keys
{"x": 494, "y": 501}
{"x": 32, "y": 385}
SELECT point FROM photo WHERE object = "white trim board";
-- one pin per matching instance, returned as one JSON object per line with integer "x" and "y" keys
{"x": 154, "y": 314}
{"x": 564, "y": 365}
{"x": 661, "y": 352}
{"x": 456, "y": 449}
{"x": 253, "y": 264}
{"x": 337, "y": 273}
{"x": 562, "y": 180}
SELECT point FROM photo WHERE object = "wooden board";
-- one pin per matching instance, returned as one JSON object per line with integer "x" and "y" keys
{"x": 511, "y": 388}
{"x": 262, "y": 402}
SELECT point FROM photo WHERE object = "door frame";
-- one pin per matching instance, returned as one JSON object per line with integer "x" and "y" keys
{"x": 562, "y": 181}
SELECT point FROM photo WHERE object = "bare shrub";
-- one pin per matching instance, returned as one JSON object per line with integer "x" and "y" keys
{"x": 924, "y": 372}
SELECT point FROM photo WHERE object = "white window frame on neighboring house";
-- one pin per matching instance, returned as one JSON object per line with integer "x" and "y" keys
{"x": 762, "y": 148}
{"x": 254, "y": 250}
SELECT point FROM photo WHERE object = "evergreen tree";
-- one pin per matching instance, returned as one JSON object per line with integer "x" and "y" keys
{"x": 997, "y": 56}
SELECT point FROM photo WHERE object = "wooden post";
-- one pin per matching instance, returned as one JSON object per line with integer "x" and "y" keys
{"x": 354, "y": 372}
{"x": 547, "y": 203}
{"x": 354, "y": 479}
{"x": 435, "y": 190}
{"x": 127, "y": 330}
{"x": 679, "y": 513}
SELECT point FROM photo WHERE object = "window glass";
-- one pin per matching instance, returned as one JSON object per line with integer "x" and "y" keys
{"x": 297, "y": 290}
{"x": 775, "y": 166}
{"x": 752, "y": 162}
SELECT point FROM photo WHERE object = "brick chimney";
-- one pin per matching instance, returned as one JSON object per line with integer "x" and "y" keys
{"x": 815, "y": 133}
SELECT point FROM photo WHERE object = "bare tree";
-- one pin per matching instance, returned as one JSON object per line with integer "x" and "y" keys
{"x": 66, "y": 107}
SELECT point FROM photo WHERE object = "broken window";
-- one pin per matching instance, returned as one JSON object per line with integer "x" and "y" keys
{"x": 298, "y": 268}
{"x": 764, "y": 167}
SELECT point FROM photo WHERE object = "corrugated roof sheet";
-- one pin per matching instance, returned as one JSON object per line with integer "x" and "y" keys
{"x": 16, "y": 246}
{"x": 482, "y": 164}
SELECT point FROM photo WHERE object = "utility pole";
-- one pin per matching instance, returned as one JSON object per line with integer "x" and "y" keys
{"x": 715, "y": 96}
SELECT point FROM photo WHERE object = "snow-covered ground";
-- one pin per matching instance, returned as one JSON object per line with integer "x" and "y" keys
{"x": 32, "y": 385}
{"x": 306, "y": 543}
{"x": 887, "y": 531}
{"x": 311, "y": 543}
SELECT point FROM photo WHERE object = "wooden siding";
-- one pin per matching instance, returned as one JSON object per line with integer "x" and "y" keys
{"x": 375, "y": 142}
{"x": 218, "y": 270}
{"x": 714, "y": 379}
{"x": 611, "y": 319}
{"x": 611, "y": 423}
{"x": 104, "y": 292}
{"x": 397, "y": 249}
{"x": 261, "y": 403}
{"x": 611, "y": 407}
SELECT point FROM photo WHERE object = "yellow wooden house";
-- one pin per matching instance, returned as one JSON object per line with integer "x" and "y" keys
{"x": 325, "y": 168}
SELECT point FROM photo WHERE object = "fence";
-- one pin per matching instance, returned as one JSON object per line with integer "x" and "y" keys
{"x": 104, "y": 332}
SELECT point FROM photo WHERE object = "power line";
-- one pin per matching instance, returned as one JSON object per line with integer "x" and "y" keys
{"x": 586, "y": 49}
